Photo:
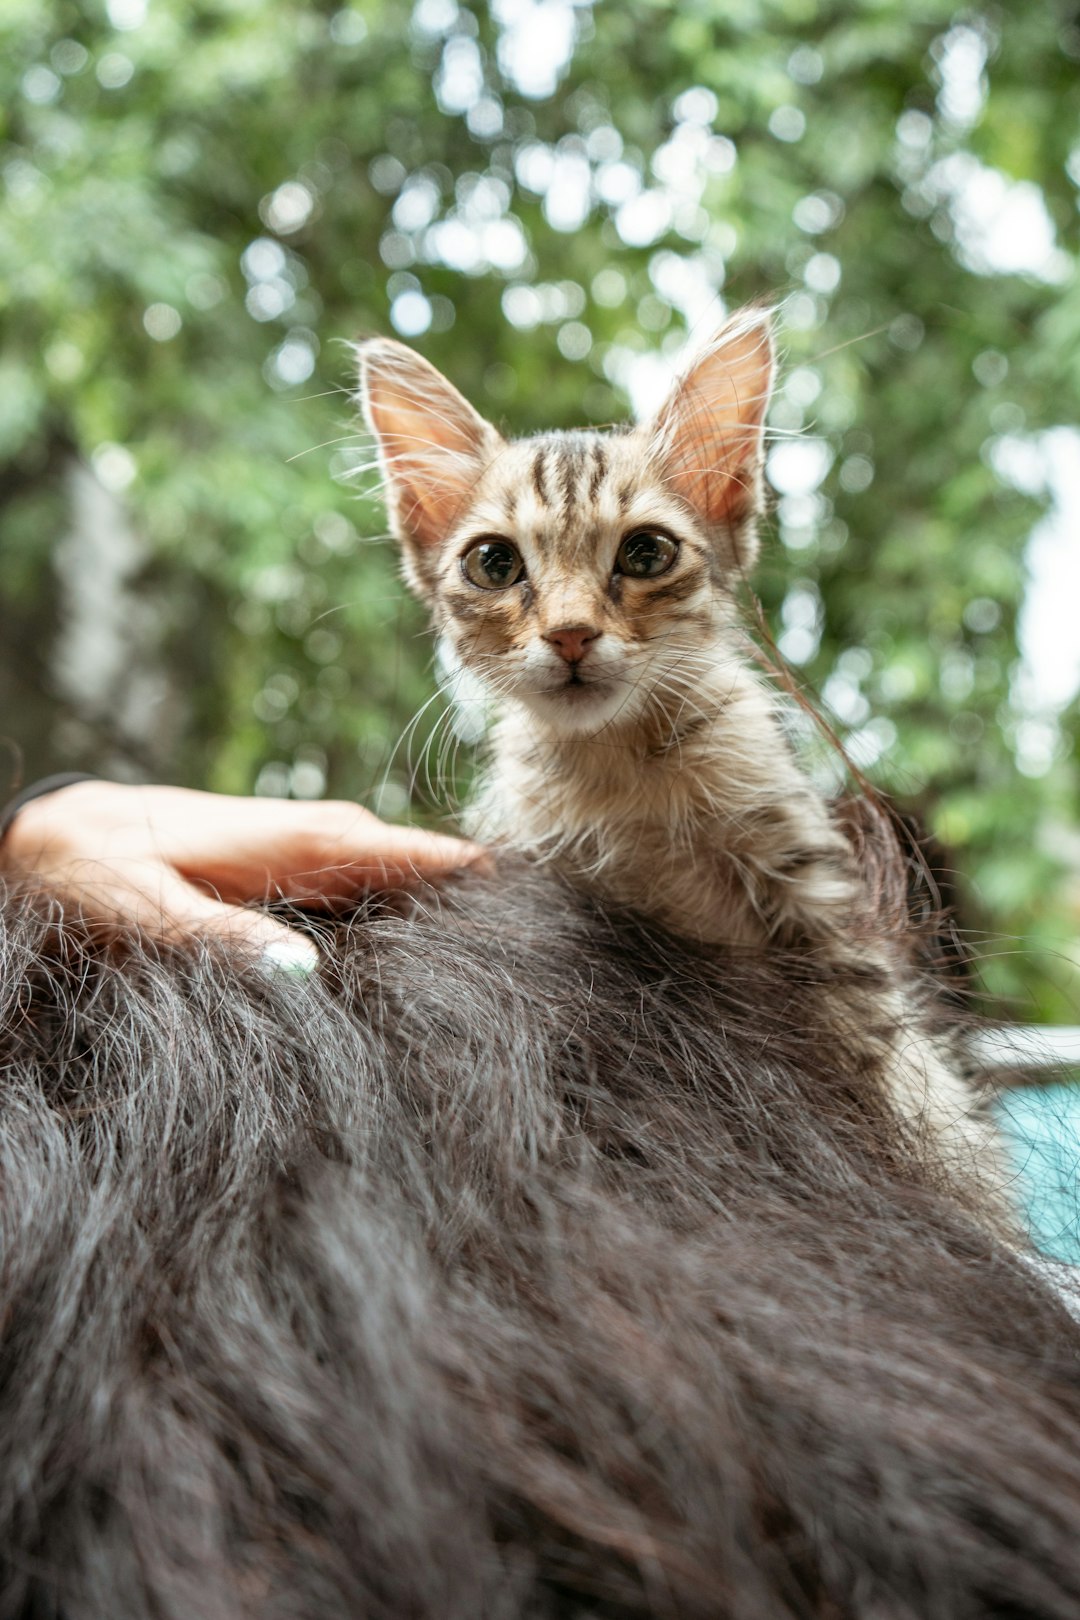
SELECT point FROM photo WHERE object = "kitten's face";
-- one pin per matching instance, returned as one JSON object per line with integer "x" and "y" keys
{"x": 584, "y": 576}
{"x": 576, "y": 584}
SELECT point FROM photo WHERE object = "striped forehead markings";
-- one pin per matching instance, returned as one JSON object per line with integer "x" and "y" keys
{"x": 600, "y": 464}
{"x": 539, "y": 481}
{"x": 568, "y": 470}
{"x": 571, "y": 465}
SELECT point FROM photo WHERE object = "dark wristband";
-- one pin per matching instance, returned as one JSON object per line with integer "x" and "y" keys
{"x": 38, "y": 790}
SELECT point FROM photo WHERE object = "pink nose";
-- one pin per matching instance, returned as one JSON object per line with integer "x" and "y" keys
{"x": 572, "y": 641}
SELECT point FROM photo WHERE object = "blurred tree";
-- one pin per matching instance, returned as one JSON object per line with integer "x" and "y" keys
{"x": 205, "y": 199}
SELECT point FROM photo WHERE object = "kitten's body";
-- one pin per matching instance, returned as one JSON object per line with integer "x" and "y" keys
{"x": 635, "y": 742}
{"x": 655, "y": 817}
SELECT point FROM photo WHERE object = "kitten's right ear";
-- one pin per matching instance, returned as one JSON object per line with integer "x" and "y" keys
{"x": 432, "y": 445}
{"x": 709, "y": 434}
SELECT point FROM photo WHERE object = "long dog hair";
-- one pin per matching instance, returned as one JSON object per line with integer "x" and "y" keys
{"x": 527, "y": 1263}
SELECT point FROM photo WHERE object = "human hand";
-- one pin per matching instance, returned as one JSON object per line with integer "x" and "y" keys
{"x": 177, "y": 862}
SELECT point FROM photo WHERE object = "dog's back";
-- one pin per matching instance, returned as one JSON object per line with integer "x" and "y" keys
{"x": 528, "y": 1264}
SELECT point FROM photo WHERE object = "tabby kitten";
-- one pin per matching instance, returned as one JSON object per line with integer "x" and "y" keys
{"x": 588, "y": 580}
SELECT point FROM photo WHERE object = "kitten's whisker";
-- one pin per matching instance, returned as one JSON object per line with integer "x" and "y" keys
{"x": 326, "y": 393}
{"x": 343, "y": 439}
{"x": 405, "y": 739}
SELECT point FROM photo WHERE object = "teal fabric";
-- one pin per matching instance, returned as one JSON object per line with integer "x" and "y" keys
{"x": 1042, "y": 1128}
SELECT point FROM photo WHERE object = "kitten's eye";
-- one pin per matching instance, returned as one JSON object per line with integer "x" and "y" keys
{"x": 493, "y": 564}
{"x": 645, "y": 555}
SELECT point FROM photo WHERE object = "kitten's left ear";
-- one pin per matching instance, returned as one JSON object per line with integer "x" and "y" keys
{"x": 432, "y": 444}
{"x": 708, "y": 435}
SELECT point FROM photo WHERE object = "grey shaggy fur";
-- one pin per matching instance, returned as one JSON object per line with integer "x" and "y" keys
{"x": 529, "y": 1263}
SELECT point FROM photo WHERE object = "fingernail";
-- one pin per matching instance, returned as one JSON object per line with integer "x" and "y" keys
{"x": 460, "y": 851}
{"x": 454, "y": 848}
{"x": 298, "y": 957}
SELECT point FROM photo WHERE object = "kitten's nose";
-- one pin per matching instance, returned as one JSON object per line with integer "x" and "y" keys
{"x": 572, "y": 641}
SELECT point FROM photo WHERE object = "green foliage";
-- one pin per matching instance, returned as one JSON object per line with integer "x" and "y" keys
{"x": 206, "y": 199}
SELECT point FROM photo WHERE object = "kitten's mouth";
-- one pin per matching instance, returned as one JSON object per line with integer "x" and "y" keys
{"x": 576, "y": 685}
{"x": 576, "y": 689}
{"x": 579, "y": 703}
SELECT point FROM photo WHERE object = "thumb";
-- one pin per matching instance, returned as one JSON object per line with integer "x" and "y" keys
{"x": 186, "y": 911}
{"x": 279, "y": 948}
{"x": 153, "y": 897}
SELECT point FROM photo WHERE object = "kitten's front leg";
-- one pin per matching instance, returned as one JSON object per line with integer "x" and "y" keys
{"x": 801, "y": 873}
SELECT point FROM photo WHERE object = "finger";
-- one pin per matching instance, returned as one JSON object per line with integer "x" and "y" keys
{"x": 414, "y": 850}
{"x": 150, "y": 896}
{"x": 313, "y": 851}
{"x": 372, "y": 854}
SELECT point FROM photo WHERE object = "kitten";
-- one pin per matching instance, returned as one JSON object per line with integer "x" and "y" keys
{"x": 588, "y": 580}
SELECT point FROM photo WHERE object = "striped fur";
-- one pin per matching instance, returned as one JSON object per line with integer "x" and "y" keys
{"x": 654, "y": 769}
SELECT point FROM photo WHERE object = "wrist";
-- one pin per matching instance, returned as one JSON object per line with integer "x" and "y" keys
{"x": 26, "y": 824}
